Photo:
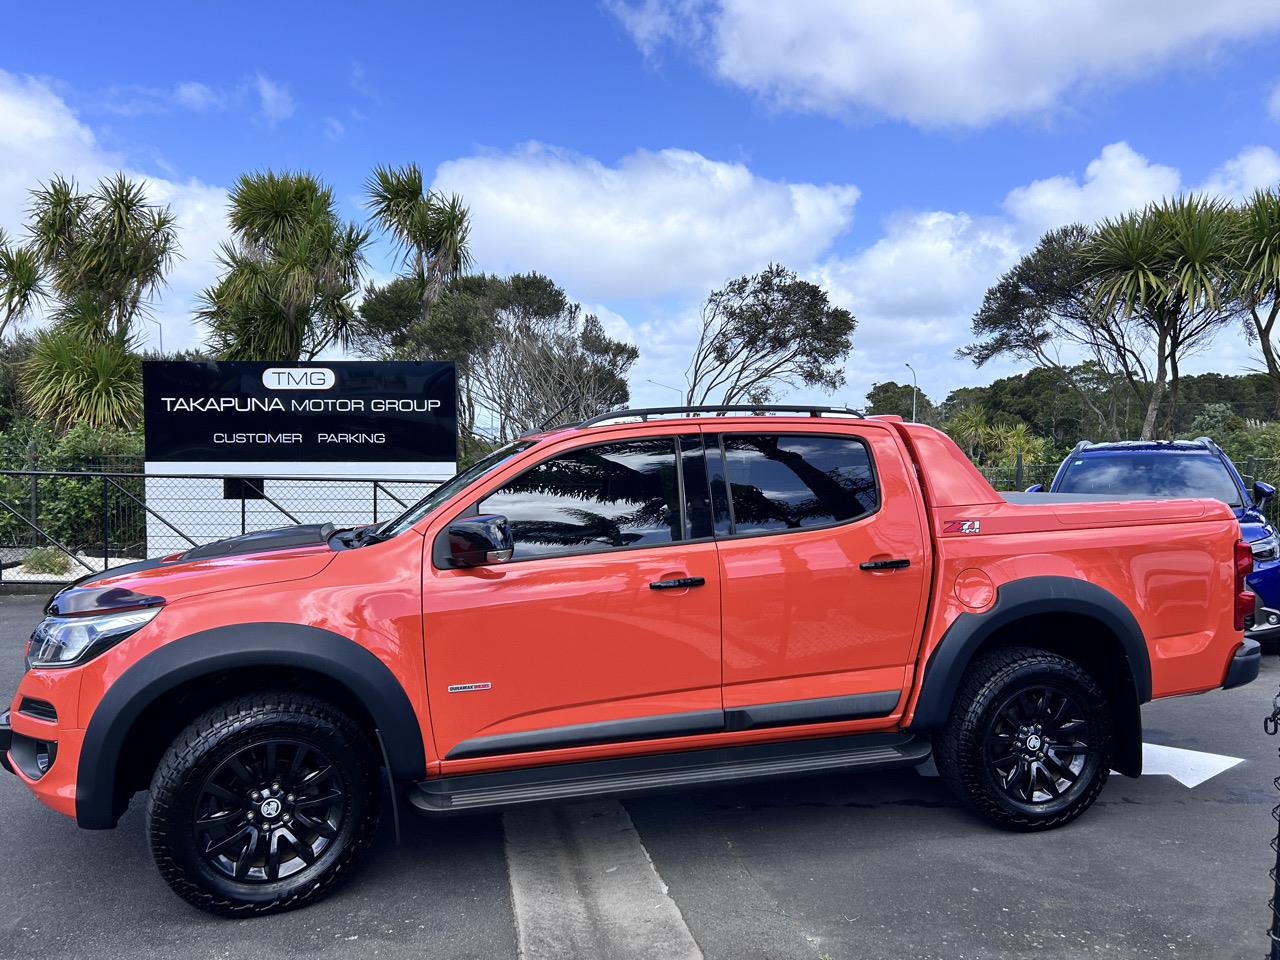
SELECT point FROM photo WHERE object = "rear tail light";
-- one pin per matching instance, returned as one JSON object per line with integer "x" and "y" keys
{"x": 1244, "y": 597}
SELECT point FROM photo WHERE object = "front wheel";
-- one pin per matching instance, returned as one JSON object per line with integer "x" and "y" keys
{"x": 262, "y": 804}
{"x": 1028, "y": 745}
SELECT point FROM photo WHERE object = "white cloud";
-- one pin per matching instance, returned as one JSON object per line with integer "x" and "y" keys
{"x": 1118, "y": 179}
{"x": 939, "y": 62}
{"x": 1251, "y": 169}
{"x": 657, "y": 223}
{"x": 333, "y": 128}
{"x": 197, "y": 96}
{"x": 274, "y": 99}
{"x": 41, "y": 136}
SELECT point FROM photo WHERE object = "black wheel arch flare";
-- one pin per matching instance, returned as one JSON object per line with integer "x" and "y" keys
{"x": 1037, "y": 596}
{"x": 208, "y": 652}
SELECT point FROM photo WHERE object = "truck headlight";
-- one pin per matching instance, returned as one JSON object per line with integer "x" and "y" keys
{"x": 1268, "y": 548}
{"x": 70, "y": 641}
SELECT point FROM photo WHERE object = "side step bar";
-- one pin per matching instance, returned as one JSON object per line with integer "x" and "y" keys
{"x": 669, "y": 771}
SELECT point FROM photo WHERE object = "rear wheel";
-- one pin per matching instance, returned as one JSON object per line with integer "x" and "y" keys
{"x": 1028, "y": 745}
{"x": 262, "y": 804}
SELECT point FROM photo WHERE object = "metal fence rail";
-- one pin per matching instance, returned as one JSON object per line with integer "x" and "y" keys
{"x": 81, "y": 521}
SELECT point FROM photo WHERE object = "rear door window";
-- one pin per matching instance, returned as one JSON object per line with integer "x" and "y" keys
{"x": 792, "y": 481}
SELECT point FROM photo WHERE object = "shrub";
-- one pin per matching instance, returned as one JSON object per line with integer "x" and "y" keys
{"x": 49, "y": 560}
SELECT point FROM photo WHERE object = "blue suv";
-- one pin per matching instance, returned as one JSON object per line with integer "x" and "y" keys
{"x": 1184, "y": 468}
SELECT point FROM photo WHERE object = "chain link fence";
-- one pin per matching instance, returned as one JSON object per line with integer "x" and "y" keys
{"x": 57, "y": 526}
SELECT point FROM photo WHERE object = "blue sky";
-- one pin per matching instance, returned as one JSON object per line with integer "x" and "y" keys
{"x": 641, "y": 152}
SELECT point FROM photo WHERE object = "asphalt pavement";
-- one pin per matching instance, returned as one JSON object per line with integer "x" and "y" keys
{"x": 847, "y": 867}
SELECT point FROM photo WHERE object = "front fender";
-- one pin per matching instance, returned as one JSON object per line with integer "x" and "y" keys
{"x": 98, "y": 802}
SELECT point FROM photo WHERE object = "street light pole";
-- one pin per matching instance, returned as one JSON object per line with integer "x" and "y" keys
{"x": 666, "y": 386}
{"x": 915, "y": 388}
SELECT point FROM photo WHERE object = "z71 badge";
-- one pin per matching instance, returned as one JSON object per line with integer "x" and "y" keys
{"x": 962, "y": 526}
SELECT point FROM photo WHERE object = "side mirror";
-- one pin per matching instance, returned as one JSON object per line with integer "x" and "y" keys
{"x": 476, "y": 541}
{"x": 1262, "y": 492}
{"x": 1035, "y": 488}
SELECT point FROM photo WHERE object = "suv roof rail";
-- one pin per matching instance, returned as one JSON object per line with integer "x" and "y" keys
{"x": 645, "y": 413}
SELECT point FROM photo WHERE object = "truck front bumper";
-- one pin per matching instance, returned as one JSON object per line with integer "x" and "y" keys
{"x": 1244, "y": 664}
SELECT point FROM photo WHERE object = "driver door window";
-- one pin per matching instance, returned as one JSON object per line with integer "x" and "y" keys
{"x": 606, "y": 497}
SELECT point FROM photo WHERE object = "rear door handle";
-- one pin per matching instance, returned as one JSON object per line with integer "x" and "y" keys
{"x": 677, "y": 583}
{"x": 884, "y": 564}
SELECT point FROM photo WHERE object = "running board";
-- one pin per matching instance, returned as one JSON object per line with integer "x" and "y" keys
{"x": 666, "y": 771}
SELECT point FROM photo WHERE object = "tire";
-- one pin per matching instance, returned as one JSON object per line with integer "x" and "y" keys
{"x": 1028, "y": 744}
{"x": 263, "y": 804}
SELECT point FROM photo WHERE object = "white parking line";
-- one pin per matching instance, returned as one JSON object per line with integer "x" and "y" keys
{"x": 582, "y": 885}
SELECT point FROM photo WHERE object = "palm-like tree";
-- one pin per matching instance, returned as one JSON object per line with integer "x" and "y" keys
{"x": 969, "y": 427}
{"x": 1167, "y": 270}
{"x": 110, "y": 248}
{"x": 105, "y": 255}
{"x": 289, "y": 276}
{"x": 431, "y": 230}
{"x": 21, "y": 283}
{"x": 1255, "y": 244}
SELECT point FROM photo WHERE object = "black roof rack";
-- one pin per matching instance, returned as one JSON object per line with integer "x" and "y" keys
{"x": 644, "y": 413}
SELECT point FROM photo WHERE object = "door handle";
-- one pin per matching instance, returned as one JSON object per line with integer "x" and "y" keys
{"x": 677, "y": 583}
{"x": 884, "y": 564}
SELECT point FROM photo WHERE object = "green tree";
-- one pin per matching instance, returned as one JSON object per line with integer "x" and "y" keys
{"x": 1162, "y": 276}
{"x": 1255, "y": 267}
{"x": 105, "y": 255}
{"x": 1041, "y": 312}
{"x": 431, "y": 230}
{"x": 762, "y": 333}
{"x": 969, "y": 428}
{"x": 21, "y": 283}
{"x": 290, "y": 274}
{"x": 895, "y": 398}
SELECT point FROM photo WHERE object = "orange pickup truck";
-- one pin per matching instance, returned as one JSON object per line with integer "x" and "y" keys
{"x": 646, "y": 600}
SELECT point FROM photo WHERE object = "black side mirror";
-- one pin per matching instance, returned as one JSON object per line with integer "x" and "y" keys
{"x": 476, "y": 541}
{"x": 1262, "y": 492}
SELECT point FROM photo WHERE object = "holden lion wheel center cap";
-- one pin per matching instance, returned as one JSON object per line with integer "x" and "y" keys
{"x": 1033, "y": 744}
{"x": 271, "y": 808}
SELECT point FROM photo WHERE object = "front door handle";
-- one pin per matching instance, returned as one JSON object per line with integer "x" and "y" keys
{"x": 884, "y": 564}
{"x": 677, "y": 583}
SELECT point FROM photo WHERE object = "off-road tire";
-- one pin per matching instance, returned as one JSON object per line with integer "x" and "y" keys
{"x": 220, "y": 737}
{"x": 987, "y": 699}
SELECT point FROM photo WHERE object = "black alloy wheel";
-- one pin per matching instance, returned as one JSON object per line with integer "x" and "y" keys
{"x": 1028, "y": 743}
{"x": 263, "y": 803}
{"x": 269, "y": 811}
{"x": 1038, "y": 744}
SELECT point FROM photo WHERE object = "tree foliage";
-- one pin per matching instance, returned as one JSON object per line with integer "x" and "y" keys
{"x": 525, "y": 353}
{"x": 762, "y": 333}
{"x": 895, "y": 398}
{"x": 290, "y": 274}
{"x": 101, "y": 256}
{"x": 1160, "y": 280}
{"x": 431, "y": 230}
{"x": 21, "y": 283}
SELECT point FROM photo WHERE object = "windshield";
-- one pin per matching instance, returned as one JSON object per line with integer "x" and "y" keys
{"x": 447, "y": 489}
{"x": 1152, "y": 475}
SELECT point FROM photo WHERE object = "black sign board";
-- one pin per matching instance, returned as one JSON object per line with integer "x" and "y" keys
{"x": 354, "y": 411}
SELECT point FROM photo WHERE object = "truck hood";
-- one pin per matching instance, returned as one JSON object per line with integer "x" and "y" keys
{"x": 267, "y": 556}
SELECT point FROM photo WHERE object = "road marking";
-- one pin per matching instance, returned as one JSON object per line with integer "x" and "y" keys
{"x": 1189, "y": 767}
{"x": 582, "y": 885}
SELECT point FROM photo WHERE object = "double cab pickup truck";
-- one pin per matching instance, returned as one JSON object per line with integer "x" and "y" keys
{"x": 650, "y": 599}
